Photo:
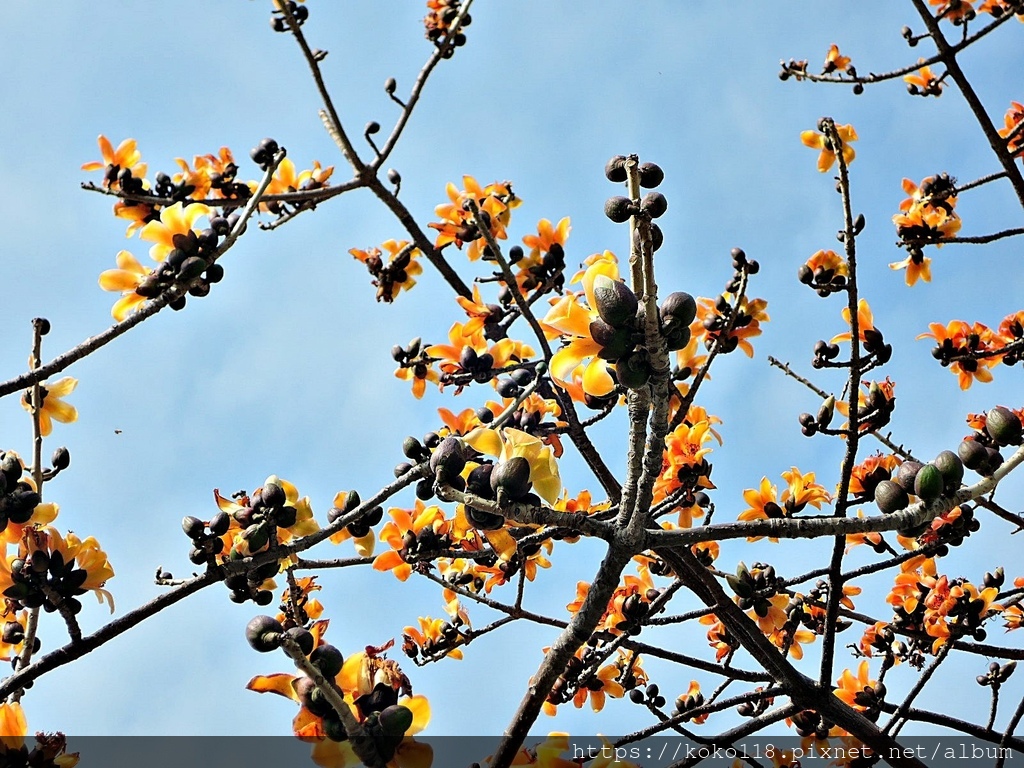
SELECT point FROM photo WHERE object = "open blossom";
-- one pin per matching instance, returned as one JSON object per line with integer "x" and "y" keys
{"x": 126, "y": 156}
{"x": 53, "y": 407}
{"x": 835, "y": 61}
{"x": 570, "y": 320}
{"x": 126, "y": 278}
{"x": 827, "y": 158}
{"x": 174, "y": 220}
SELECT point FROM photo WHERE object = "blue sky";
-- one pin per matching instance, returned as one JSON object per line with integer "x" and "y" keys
{"x": 285, "y": 367}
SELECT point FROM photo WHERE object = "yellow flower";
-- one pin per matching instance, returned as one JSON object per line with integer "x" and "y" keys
{"x": 126, "y": 278}
{"x": 923, "y": 82}
{"x": 570, "y": 320}
{"x": 507, "y": 443}
{"x": 174, "y": 220}
{"x": 865, "y": 322}
{"x": 827, "y": 158}
{"x": 834, "y": 61}
{"x": 918, "y": 266}
{"x": 53, "y": 406}
{"x": 126, "y": 155}
{"x": 13, "y": 726}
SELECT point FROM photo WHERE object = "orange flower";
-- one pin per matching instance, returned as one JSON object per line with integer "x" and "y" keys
{"x": 827, "y": 158}
{"x": 865, "y": 322}
{"x": 1012, "y": 120}
{"x": 174, "y": 220}
{"x": 126, "y": 155}
{"x": 495, "y": 202}
{"x": 834, "y": 61}
{"x": 53, "y": 407}
{"x": 397, "y": 274}
{"x": 126, "y": 278}
{"x": 684, "y": 463}
{"x": 851, "y": 686}
{"x": 404, "y": 530}
{"x": 956, "y": 11}
{"x": 923, "y": 82}
{"x": 918, "y": 266}
{"x": 926, "y": 224}
{"x": 570, "y": 320}
{"x": 958, "y": 335}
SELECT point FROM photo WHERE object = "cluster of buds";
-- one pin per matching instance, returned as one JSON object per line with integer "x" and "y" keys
{"x": 997, "y": 674}
{"x": 754, "y": 586}
{"x": 449, "y": 637}
{"x": 44, "y": 579}
{"x": 18, "y": 499}
{"x": 811, "y": 424}
{"x": 298, "y": 12}
{"x": 190, "y": 263}
{"x": 618, "y": 333}
{"x": 810, "y": 724}
{"x": 50, "y": 749}
{"x": 439, "y": 20}
{"x": 999, "y": 428}
{"x": 882, "y": 638}
{"x": 547, "y": 274}
{"x": 649, "y": 697}
{"x": 206, "y": 537}
{"x": 383, "y": 718}
{"x": 825, "y": 272}
{"x": 733, "y": 322}
{"x": 689, "y": 701}
{"x": 653, "y": 205}
{"x": 756, "y": 707}
{"x": 793, "y": 68}
{"x": 361, "y": 526}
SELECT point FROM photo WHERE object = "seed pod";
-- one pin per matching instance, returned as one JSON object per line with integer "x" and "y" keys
{"x": 273, "y": 495}
{"x": 448, "y": 459}
{"x": 615, "y": 169}
{"x": 929, "y": 483}
{"x": 334, "y": 729}
{"x": 972, "y": 453}
{"x": 677, "y": 339}
{"x": 61, "y": 458}
{"x": 327, "y": 659}
{"x": 303, "y": 637}
{"x": 906, "y": 474}
{"x": 951, "y": 468}
{"x": 651, "y": 175}
{"x": 1003, "y": 426}
{"x": 826, "y": 412}
{"x": 485, "y": 521}
{"x": 193, "y": 527}
{"x": 615, "y": 342}
{"x": 616, "y": 303}
{"x": 890, "y": 497}
{"x": 678, "y": 308}
{"x": 619, "y": 208}
{"x": 479, "y": 481}
{"x": 633, "y": 371}
{"x": 395, "y": 720}
{"x": 512, "y": 476}
{"x": 654, "y": 204}
{"x": 263, "y": 633}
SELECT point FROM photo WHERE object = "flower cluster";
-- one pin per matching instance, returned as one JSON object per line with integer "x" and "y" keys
{"x": 928, "y": 216}
{"x": 397, "y": 273}
{"x": 458, "y": 224}
{"x": 971, "y": 350}
{"x": 944, "y": 608}
{"x": 367, "y": 681}
{"x": 827, "y": 157}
